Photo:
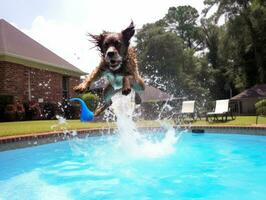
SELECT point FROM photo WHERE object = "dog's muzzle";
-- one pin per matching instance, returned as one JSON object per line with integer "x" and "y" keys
{"x": 113, "y": 58}
{"x": 115, "y": 68}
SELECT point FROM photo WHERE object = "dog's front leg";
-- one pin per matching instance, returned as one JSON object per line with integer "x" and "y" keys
{"x": 126, "y": 89}
{"x": 130, "y": 81}
{"x": 96, "y": 73}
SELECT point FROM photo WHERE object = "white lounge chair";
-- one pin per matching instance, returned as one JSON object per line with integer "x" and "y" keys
{"x": 221, "y": 110}
{"x": 187, "y": 111}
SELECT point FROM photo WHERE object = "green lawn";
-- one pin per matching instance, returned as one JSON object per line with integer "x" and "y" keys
{"x": 29, "y": 127}
{"x": 239, "y": 121}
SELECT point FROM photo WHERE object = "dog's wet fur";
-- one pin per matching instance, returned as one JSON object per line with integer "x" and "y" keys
{"x": 118, "y": 59}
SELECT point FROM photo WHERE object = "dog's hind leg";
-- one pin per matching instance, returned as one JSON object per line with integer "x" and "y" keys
{"x": 107, "y": 95}
{"x": 102, "y": 108}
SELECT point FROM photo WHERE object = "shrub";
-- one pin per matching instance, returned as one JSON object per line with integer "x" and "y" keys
{"x": 69, "y": 111}
{"x": 2, "y": 111}
{"x": 28, "y": 112}
{"x": 20, "y": 111}
{"x": 49, "y": 110}
{"x": 261, "y": 107}
{"x": 10, "y": 112}
{"x": 92, "y": 100}
{"x": 6, "y": 99}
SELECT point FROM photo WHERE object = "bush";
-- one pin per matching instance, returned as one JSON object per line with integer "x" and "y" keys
{"x": 6, "y": 99}
{"x": 2, "y": 111}
{"x": 28, "y": 112}
{"x": 64, "y": 109}
{"x": 261, "y": 107}
{"x": 10, "y": 112}
{"x": 92, "y": 100}
{"x": 49, "y": 110}
{"x": 20, "y": 111}
{"x": 10, "y": 109}
{"x": 69, "y": 111}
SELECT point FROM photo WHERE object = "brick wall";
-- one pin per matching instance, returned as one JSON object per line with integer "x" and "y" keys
{"x": 73, "y": 81}
{"x": 2, "y": 72}
{"x": 46, "y": 85}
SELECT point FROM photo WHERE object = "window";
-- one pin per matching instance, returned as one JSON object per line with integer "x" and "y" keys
{"x": 65, "y": 84}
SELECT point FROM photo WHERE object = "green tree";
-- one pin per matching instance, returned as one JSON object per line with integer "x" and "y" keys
{"x": 162, "y": 55}
{"x": 159, "y": 52}
{"x": 183, "y": 21}
{"x": 246, "y": 17}
{"x": 212, "y": 35}
{"x": 197, "y": 76}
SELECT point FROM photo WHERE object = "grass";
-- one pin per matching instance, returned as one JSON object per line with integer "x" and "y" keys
{"x": 239, "y": 121}
{"x": 30, "y": 127}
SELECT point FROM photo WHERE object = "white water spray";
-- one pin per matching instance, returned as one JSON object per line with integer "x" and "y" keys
{"x": 131, "y": 140}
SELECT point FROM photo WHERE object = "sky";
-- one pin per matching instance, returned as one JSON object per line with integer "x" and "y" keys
{"x": 62, "y": 25}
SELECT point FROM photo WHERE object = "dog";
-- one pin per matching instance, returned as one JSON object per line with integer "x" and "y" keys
{"x": 118, "y": 64}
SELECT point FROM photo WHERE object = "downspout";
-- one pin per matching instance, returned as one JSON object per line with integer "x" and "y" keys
{"x": 29, "y": 86}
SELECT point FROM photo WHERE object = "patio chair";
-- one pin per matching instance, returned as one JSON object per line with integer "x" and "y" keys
{"x": 187, "y": 111}
{"x": 222, "y": 110}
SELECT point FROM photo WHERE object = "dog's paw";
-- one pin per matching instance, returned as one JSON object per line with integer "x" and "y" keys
{"x": 126, "y": 91}
{"x": 80, "y": 88}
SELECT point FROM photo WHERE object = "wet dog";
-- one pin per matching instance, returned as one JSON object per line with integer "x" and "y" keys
{"x": 118, "y": 64}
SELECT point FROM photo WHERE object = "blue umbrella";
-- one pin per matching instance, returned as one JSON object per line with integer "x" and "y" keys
{"x": 85, "y": 114}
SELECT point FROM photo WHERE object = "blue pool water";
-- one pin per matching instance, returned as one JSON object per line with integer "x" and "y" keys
{"x": 206, "y": 166}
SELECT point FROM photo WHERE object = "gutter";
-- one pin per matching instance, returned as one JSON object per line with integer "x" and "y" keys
{"x": 34, "y": 63}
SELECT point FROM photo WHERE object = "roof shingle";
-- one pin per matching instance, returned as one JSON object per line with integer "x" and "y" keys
{"x": 16, "y": 44}
{"x": 257, "y": 91}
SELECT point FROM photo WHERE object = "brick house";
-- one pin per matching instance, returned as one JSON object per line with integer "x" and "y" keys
{"x": 29, "y": 71}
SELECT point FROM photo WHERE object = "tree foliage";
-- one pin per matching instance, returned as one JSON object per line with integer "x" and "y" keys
{"x": 201, "y": 58}
{"x": 182, "y": 20}
{"x": 162, "y": 56}
{"x": 245, "y": 28}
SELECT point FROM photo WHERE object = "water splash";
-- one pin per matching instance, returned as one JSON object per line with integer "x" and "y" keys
{"x": 129, "y": 141}
{"x": 63, "y": 125}
{"x": 134, "y": 142}
{"x": 61, "y": 122}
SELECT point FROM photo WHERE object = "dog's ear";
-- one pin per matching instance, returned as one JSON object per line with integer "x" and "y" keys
{"x": 128, "y": 32}
{"x": 97, "y": 39}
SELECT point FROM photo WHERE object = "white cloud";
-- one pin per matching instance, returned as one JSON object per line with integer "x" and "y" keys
{"x": 68, "y": 38}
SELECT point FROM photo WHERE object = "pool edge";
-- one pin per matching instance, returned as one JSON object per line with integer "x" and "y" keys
{"x": 250, "y": 130}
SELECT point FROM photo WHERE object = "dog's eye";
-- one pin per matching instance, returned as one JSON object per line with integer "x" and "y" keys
{"x": 117, "y": 44}
{"x": 105, "y": 45}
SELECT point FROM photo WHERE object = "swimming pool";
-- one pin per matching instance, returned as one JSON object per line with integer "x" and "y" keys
{"x": 200, "y": 166}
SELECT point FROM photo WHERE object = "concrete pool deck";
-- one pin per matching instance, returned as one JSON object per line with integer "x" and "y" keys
{"x": 228, "y": 129}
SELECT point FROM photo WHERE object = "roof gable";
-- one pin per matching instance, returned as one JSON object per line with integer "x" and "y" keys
{"x": 14, "y": 43}
{"x": 257, "y": 91}
{"x": 152, "y": 94}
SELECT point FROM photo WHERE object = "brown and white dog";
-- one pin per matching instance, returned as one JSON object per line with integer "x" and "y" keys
{"x": 118, "y": 64}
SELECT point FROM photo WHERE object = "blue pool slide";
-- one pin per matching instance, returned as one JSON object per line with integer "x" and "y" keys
{"x": 86, "y": 114}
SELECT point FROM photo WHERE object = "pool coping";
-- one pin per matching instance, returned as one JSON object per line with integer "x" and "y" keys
{"x": 231, "y": 129}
